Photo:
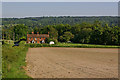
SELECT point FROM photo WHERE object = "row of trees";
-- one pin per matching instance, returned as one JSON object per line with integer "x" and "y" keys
{"x": 95, "y": 33}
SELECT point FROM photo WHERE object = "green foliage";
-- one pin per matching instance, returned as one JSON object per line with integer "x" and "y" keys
{"x": 49, "y": 39}
{"x": 20, "y": 31}
{"x": 55, "y": 40}
{"x": 38, "y": 45}
{"x": 66, "y": 36}
{"x": 13, "y": 60}
{"x": 76, "y": 45}
{"x": 88, "y": 30}
{"x": 36, "y": 30}
{"x": 22, "y": 43}
{"x": 23, "y": 37}
{"x": 83, "y": 36}
{"x": 44, "y": 21}
{"x": 72, "y": 45}
{"x": 53, "y": 33}
{"x": 7, "y": 42}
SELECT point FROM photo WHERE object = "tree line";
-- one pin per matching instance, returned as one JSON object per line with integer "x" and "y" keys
{"x": 89, "y": 33}
{"x": 71, "y": 20}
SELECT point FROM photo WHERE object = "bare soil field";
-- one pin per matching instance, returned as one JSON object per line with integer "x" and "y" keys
{"x": 72, "y": 63}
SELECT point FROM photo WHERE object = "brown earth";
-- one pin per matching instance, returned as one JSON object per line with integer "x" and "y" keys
{"x": 72, "y": 63}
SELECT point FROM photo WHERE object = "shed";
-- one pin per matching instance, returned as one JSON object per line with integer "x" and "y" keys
{"x": 51, "y": 42}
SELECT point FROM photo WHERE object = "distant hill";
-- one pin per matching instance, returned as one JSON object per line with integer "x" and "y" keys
{"x": 43, "y": 21}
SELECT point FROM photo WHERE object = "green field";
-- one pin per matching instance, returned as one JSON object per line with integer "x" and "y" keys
{"x": 73, "y": 45}
{"x": 13, "y": 60}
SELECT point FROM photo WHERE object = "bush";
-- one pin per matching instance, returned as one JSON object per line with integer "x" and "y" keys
{"x": 22, "y": 43}
{"x": 47, "y": 40}
{"x": 55, "y": 40}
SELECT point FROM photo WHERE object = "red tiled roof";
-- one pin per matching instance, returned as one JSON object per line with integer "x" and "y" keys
{"x": 37, "y": 35}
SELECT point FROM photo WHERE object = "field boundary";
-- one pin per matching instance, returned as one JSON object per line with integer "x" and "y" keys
{"x": 73, "y": 45}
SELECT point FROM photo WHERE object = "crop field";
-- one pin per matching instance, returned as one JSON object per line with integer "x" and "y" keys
{"x": 54, "y": 62}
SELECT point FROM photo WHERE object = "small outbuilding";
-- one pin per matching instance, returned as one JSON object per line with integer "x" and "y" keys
{"x": 52, "y": 42}
{"x": 68, "y": 41}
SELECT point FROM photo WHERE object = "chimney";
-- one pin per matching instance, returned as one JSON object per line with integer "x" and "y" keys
{"x": 32, "y": 32}
{"x": 48, "y": 33}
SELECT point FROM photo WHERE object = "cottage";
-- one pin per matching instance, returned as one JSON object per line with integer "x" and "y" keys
{"x": 36, "y": 38}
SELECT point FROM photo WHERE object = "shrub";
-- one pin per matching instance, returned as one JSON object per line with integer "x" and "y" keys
{"x": 22, "y": 43}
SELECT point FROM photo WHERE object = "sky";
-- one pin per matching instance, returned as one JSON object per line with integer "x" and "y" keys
{"x": 38, "y": 9}
{"x": 60, "y": 0}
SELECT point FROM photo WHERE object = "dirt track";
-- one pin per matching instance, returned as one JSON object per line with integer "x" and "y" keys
{"x": 72, "y": 63}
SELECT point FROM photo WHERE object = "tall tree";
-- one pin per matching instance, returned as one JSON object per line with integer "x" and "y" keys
{"x": 66, "y": 36}
{"x": 20, "y": 31}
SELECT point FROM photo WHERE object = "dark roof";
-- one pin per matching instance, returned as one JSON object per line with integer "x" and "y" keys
{"x": 37, "y": 35}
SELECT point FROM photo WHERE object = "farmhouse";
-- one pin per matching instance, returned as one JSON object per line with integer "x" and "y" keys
{"x": 36, "y": 38}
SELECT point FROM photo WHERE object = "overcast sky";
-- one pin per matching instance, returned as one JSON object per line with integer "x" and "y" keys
{"x": 36, "y": 9}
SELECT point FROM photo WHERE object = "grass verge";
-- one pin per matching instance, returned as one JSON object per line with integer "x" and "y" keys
{"x": 13, "y": 60}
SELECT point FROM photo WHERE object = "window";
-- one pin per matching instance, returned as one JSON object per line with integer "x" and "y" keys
{"x": 32, "y": 41}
